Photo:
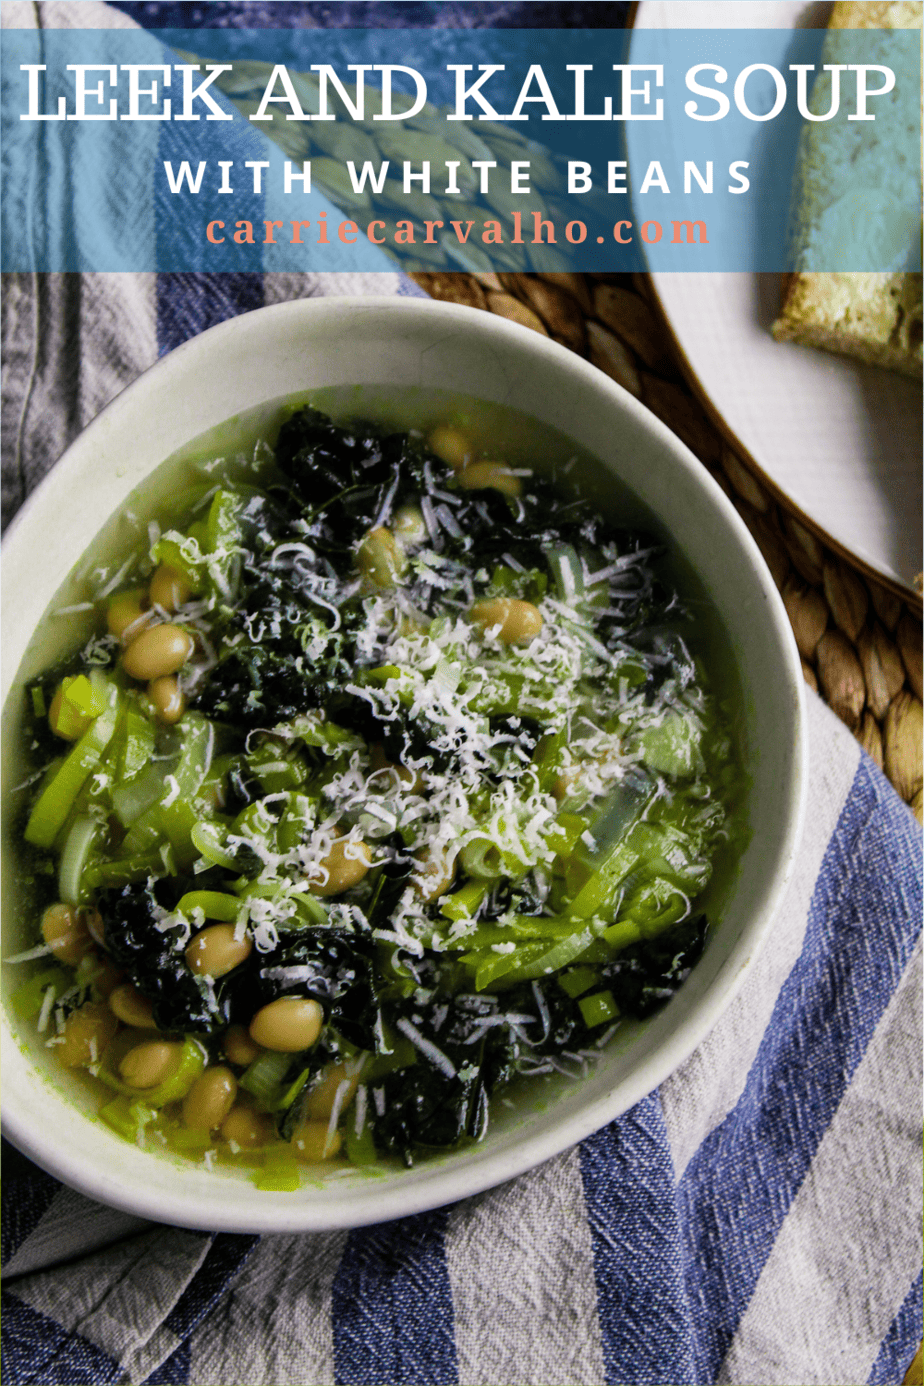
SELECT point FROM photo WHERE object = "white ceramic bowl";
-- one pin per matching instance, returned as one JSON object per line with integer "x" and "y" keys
{"x": 379, "y": 343}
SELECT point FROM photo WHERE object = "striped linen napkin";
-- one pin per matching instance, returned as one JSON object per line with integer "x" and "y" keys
{"x": 756, "y": 1220}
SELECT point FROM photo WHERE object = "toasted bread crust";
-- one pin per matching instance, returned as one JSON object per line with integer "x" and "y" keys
{"x": 876, "y": 14}
{"x": 873, "y": 317}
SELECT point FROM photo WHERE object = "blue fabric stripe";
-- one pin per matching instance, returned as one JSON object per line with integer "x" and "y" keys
{"x": 628, "y": 1179}
{"x": 27, "y": 1194}
{"x": 377, "y": 14}
{"x": 226, "y": 1256}
{"x": 902, "y": 1340}
{"x": 189, "y": 303}
{"x": 408, "y": 289}
{"x": 38, "y": 1352}
{"x": 392, "y": 1310}
{"x": 863, "y": 922}
{"x": 175, "y": 1370}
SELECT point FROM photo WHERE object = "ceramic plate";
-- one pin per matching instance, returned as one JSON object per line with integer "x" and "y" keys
{"x": 840, "y": 440}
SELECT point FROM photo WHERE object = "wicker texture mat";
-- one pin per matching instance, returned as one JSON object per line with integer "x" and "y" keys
{"x": 860, "y": 642}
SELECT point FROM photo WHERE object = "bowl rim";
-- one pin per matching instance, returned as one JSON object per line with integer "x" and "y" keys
{"x": 450, "y": 1178}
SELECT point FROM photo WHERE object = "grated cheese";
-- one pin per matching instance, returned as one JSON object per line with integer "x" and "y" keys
{"x": 426, "y": 1047}
{"x": 173, "y": 791}
{"x": 30, "y": 954}
{"x": 48, "y": 1001}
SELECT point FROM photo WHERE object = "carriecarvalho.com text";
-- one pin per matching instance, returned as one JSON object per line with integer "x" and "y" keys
{"x": 405, "y": 232}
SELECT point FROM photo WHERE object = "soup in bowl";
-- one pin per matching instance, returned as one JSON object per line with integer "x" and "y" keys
{"x": 388, "y": 759}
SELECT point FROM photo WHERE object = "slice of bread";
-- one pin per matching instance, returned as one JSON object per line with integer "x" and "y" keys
{"x": 874, "y": 317}
{"x": 875, "y": 14}
{"x": 859, "y": 178}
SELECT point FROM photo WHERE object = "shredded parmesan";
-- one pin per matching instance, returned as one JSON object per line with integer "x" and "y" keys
{"x": 340, "y": 1096}
{"x": 30, "y": 954}
{"x": 427, "y": 1047}
{"x": 48, "y": 1001}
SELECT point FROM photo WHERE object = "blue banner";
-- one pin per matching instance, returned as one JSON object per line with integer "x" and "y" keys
{"x": 313, "y": 150}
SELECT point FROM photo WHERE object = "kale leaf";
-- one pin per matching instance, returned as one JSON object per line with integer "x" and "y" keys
{"x": 154, "y": 960}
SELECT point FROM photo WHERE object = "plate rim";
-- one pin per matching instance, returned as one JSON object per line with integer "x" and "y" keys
{"x": 904, "y": 591}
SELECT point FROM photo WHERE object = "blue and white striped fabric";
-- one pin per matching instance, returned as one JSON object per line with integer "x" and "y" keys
{"x": 756, "y": 1220}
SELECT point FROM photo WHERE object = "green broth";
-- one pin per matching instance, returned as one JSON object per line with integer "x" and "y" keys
{"x": 238, "y": 454}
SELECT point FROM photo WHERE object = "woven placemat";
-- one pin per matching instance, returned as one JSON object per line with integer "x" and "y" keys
{"x": 860, "y": 641}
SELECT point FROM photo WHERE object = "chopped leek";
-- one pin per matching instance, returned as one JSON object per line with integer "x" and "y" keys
{"x": 27, "y": 1000}
{"x": 464, "y": 903}
{"x": 208, "y": 838}
{"x": 135, "y": 796}
{"x": 672, "y": 746}
{"x": 54, "y": 803}
{"x": 214, "y": 904}
{"x": 578, "y": 980}
{"x": 75, "y": 855}
{"x": 360, "y": 1146}
{"x": 173, "y": 817}
{"x": 127, "y": 1117}
{"x": 79, "y": 704}
{"x": 598, "y": 1009}
{"x": 264, "y": 1077}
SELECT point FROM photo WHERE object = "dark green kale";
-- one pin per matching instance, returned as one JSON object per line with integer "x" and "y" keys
{"x": 291, "y": 642}
{"x": 488, "y": 1040}
{"x": 390, "y": 883}
{"x": 153, "y": 958}
{"x": 400, "y": 737}
{"x": 522, "y": 897}
{"x": 644, "y": 977}
{"x": 424, "y": 1109}
{"x": 469, "y": 1047}
{"x": 260, "y": 685}
{"x": 333, "y": 966}
{"x": 356, "y": 477}
{"x": 290, "y": 645}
